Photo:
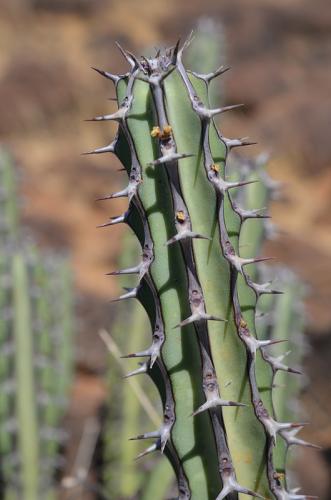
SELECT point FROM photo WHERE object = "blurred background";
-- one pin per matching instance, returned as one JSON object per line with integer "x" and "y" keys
{"x": 279, "y": 51}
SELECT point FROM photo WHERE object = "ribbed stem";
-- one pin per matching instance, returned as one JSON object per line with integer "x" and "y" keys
{"x": 198, "y": 289}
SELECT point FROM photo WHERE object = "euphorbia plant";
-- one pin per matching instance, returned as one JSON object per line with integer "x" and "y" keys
{"x": 200, "y": 291}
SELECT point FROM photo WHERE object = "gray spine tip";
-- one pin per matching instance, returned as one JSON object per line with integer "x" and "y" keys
{"x": 106, "y": 74}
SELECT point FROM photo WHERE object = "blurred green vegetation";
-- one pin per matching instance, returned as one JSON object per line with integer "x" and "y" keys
{"x": 36, "y": 365}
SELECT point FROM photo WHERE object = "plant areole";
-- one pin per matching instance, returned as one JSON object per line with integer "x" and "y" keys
{"x": 214, "y": 375}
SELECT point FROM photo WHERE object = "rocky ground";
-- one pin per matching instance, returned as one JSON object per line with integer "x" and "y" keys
{"x": 280, "y": 54}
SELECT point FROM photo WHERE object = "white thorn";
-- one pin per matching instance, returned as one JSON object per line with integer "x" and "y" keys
{"x": 185, "y": 234}
{"x": 131, "y": 294}
{"x": 143, "y": 369}
{"x": 110, "y": 148}
{"x": 230, "y": 485}
{"x": 170, "y": 158}
{"x": 198, "y": 316}
{"x": 213, "y": 403}
{"x": 148, "y": 450}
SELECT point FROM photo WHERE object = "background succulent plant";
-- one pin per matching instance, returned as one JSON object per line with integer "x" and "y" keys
{"x": 36, "y": 364}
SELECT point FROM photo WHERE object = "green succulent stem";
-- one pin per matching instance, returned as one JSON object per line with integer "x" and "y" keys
{"x": 26, "y": 410}
{"x": 199, "y": 289}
